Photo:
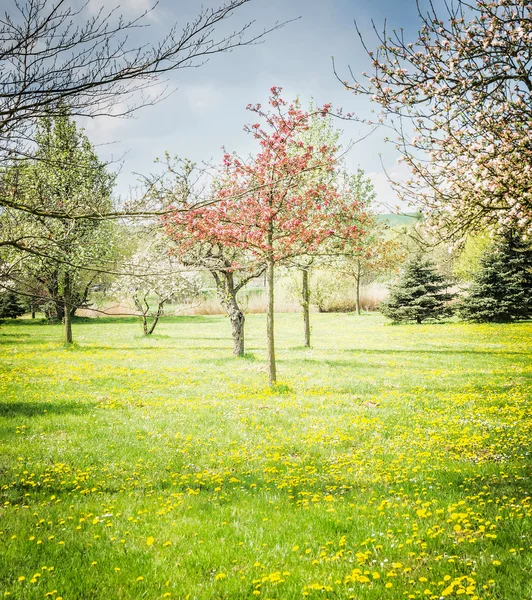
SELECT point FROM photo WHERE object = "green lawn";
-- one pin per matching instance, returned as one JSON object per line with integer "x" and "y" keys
{"x": 390, "y": 462}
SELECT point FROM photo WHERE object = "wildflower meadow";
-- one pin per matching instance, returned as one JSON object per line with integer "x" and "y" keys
{"x": 388, "y": 462}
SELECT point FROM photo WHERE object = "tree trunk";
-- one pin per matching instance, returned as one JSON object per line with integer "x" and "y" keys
{"x": 305, "y": 303}
{"x": 358, "y": 288}
{"x": 145, "y": 313}
{"x": 60, "y": 309}
{"x": 155, "y": 319}
{"x": 272, "y": 371}
{"x": 225, "y": 287}
{"x": 67, "y": 317}
{"x": 237, "y": 327}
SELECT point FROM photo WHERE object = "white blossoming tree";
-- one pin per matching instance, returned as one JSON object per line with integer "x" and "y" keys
{"x": 459, "y": 99}
{"x": 154, "y": 278}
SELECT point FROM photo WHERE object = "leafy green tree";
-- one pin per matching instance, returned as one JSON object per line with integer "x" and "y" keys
{"x": 67, "y": 176}
{"x": 372, "y": 249}
{"x": 420, "y": 294}
{"x": 320, "y": 132}
{"x": 502, "y": 289}
{"x": 467, "y": 263}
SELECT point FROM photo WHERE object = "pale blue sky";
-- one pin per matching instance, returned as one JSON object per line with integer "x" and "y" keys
{"x": 207, "y": 109}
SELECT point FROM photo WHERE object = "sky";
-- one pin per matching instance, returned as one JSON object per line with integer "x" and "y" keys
{"x": 206, "y": 109}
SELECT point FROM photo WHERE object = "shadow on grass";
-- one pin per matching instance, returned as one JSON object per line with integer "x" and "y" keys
{"x": 16, "y": 339}
{"x": 32, "y": 409}
{"x": 196, "y": 319}
{"x": 429, "y": 351}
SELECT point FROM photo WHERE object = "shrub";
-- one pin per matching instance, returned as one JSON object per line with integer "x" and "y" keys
{"x": 420, "y": 294}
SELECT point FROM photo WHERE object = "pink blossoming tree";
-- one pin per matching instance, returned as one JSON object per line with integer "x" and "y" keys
{"x": 267, "y": 207}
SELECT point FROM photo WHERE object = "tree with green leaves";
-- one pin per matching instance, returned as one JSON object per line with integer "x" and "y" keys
{"x": 502, "y": 288}
{"x": 420, "y": 294}
{"x": 369, "y": 249}
{"x": 319, "y": 132}
{"x": 66, "y": 175}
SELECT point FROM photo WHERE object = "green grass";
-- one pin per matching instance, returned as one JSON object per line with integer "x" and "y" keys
{"x": 390, "y": 462}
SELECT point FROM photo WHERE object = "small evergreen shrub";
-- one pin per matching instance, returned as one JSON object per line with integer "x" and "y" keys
{"x": 420, "y": 294}
{"x": 11, "y": 306}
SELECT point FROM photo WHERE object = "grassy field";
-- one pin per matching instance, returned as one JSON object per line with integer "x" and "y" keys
{"x": 390, "y": 462}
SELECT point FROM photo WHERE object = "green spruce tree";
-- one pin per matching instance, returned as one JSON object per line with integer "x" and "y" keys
{"x": 502, "y": 289}
{"x": 11, "y": 306}
{"x": 420, "y": 294}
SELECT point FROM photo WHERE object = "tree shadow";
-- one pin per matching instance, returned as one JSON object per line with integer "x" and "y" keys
{"x": 429, "y": 351}
{"x": 32, "y": 409}
{"x": 15, "y": 339}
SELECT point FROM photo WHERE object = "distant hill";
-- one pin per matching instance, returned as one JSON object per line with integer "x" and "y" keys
{"x": 401, "y": 219}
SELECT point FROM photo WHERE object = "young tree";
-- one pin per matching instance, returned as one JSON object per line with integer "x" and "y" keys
{"x": 366, "y": 248}
{"x": 67, "y": 175}
{"x": 266, "y": 206}
{"x": 376, "y": 255}
{"x": 183, "y": 185}
{"x": 228, "y": 266}
{"x": 459, "y": 98}
{"x": 502, "y": 288}
{"x": 155, "y": 277}
{"x": 420, "y": 294}
{"x": 351, "y": 221}
{"x": 319, "y": 133}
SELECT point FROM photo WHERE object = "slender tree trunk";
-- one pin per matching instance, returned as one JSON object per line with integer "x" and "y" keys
{"x": 358, "y": 287}
{"x": 145, "y": 314}
{"x": 305, "y": 303}
{"x": 155, "y": 320}
{"x": 67, "y": 317}
{"x": 272, "y": 371}
{"x": 32, "y": 310}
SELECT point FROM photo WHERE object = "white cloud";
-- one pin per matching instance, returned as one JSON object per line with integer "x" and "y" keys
{"x": 387, "y": 199}
{"x": 201, "y": 98}
{"x": 128, "y": 8}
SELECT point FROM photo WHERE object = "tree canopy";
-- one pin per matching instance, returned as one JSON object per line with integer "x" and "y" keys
{"x": 459, "y": 99}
